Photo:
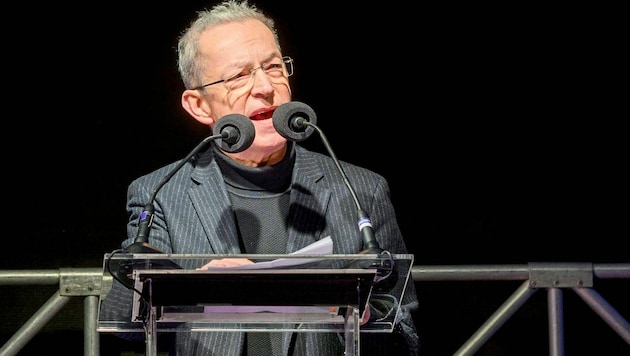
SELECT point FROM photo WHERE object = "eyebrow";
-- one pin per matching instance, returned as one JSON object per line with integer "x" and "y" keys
{"x": 243, "y": 64}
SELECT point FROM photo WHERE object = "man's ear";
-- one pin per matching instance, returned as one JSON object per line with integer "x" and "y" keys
{"x": 193, "y": 103}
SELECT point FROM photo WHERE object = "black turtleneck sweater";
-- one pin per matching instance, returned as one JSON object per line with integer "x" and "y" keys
{"x": 260, "y": 202}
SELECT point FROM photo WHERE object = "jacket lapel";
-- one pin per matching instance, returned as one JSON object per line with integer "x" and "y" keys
{"x": 309, "y": 201}
{"x": 211, "y": 203}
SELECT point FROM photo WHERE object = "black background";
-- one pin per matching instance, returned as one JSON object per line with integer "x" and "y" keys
{"x": 499, "y": 129}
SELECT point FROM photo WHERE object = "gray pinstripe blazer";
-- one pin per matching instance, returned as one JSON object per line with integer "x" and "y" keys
{"x": 193, "y": 215}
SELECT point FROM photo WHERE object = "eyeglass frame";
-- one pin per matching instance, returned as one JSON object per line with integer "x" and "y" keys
{"x": 286, "y": 60}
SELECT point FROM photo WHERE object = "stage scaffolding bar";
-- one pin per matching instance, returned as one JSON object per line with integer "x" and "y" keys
{"x": 90, "y": 283}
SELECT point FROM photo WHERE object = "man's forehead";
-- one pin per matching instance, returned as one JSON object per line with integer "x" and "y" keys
{"x": 234, "y": 36}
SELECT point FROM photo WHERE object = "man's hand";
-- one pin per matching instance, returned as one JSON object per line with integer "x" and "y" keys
{"x": 226, "y": 262}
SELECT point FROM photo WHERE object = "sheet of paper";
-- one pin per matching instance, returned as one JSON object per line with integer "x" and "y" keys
{"x": 270, "y": 309}
{"x": 320, "y": 247}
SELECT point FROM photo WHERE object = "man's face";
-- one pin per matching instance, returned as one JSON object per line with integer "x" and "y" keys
{"x": 245, "y": 56}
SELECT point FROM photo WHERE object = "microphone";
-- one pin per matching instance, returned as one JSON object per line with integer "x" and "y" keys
{"x": 296, "y": 121}
{"x": 234, "y": 133}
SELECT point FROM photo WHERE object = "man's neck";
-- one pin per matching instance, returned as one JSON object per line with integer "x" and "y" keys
{"x": 253, "y": 159}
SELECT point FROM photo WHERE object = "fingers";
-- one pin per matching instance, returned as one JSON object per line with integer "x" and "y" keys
{"x": 226, "y": 262}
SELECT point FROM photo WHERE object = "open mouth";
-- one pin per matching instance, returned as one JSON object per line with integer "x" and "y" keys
{"x": 264, "y": 115}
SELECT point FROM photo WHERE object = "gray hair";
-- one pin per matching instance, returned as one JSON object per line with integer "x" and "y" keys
{"x": 190, "y": 63}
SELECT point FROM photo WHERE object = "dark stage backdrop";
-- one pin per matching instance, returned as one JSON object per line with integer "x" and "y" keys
{"x": 494, "y": 127}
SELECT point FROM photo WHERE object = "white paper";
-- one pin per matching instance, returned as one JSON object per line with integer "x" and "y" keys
{"x": 270, "y": 309}
{"x": 320, "y": 247}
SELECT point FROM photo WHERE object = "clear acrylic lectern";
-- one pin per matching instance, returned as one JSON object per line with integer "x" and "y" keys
{"x": 296, "y": 293}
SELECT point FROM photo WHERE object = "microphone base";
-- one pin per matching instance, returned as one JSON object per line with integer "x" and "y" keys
{"x": 124, "y": 270}
{"x": 142, "y": 247}
{"x": 372, "y": 251}
{"x": 384, "y": 267}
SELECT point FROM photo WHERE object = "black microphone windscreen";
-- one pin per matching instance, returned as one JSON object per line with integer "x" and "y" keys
{"x": 286, "y": 120}
{"x": 237, "y": 132}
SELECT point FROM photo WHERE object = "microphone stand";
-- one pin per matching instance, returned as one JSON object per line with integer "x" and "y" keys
{"x": 365, "y": 224}
{"x": 141, "y": 244}
{"x": 236, "y": 133}
{"x": 292, "y": 120}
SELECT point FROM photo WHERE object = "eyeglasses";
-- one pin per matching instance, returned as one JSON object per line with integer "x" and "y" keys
{"x": 276, "y": 70}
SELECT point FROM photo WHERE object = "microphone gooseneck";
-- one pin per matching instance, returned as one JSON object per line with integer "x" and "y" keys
{"x": 296, "y": 121}
{"x": 235, "y": 133}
